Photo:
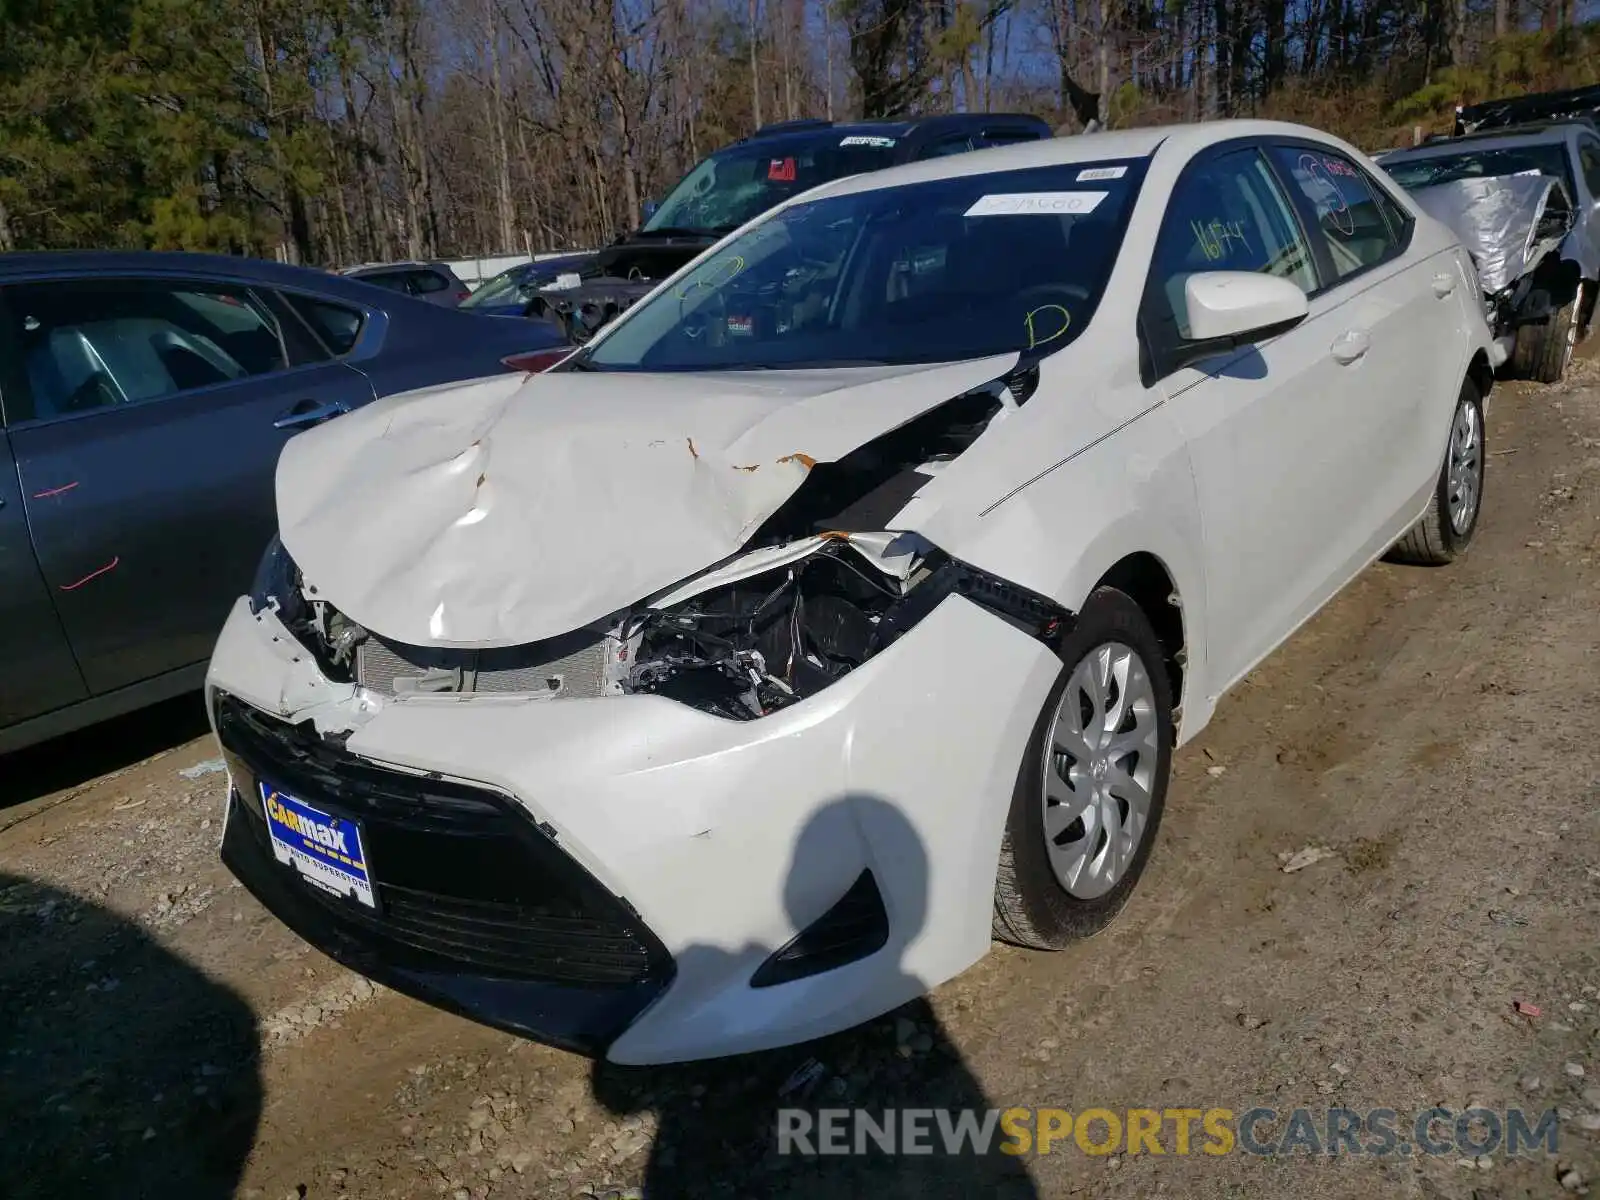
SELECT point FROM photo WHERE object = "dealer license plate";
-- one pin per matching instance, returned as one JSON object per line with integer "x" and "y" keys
{"x": 325, "y": 849}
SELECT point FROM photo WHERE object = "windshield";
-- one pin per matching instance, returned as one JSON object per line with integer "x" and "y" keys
{"x": 939, "y": 271}
{"x": 508, "y": 287}
{"x": 737, "y": 185}
{"x": 1550, "y": 159}
{"x": 520, "y": 284}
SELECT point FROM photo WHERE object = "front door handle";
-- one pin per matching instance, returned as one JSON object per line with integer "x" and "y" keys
{"x": 1350, "y": 346}
{"x": 310, "y": 412}
{"x": 1443, "y": 285}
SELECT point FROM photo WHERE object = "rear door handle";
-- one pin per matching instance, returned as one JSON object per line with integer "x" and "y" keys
{"x": 1350, "y": 346}
{"x": 1443, "y": 285}
{"x": 310, "y": 412}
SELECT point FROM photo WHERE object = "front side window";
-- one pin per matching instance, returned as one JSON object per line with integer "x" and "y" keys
{"x": 1226, "y": 214}
{"x": 95, "y": 344}
{"x": 940, "y": 271}
{"x": 1007, "y": 137}
{"x": 948, "y": 146}
{"x": 1352, "y": 224}
{"x": 740, "y": 184}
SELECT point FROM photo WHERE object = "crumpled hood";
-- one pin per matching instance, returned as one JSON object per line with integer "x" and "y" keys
{"x": 1494, "y": 216}
{"x": 517, "y": 508}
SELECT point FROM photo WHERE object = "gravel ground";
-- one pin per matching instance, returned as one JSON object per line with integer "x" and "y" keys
{"x": 1423, "y": 754}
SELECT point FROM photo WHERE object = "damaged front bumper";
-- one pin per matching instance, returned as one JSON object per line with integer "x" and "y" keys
{"x": 613, "y": 873}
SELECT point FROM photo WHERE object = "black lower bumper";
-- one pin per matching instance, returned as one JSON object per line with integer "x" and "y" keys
{"x": 479, "y": 912}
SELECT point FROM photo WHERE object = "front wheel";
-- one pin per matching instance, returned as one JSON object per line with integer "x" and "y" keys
{"x": 1090, "y": 794}
{"x": 1447, "y": 527}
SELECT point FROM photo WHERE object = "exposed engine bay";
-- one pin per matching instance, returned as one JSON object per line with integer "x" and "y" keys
{"x": 615, "y": 280}
{"x": 582, "y": 310}
{"x": 821, "y": 587}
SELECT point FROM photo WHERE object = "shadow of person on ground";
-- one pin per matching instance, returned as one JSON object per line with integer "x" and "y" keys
{"x": 80, "y": 757}
{"x": 124, "y": 1071}
{"x": 717, "y": 1120}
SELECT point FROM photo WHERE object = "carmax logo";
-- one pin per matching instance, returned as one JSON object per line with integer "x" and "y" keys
{"x": 329, "y": 837}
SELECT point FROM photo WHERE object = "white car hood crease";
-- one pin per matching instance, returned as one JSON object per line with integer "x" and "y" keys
{"x": 509, "y": 510}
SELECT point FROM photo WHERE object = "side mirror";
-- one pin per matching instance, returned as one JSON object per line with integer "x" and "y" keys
{"x": 1226, "y": 310}
{"x": 1241, "y": 306}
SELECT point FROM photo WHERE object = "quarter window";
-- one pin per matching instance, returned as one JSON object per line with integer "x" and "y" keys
{"x": 1226, "y": 214}
{"x": 424, "y": 282}
{"x": 338, "y": 327}
{"x": 95, "y": 344}
{"x": 1350, "y": 221}
{"x": 1589, "y": 156}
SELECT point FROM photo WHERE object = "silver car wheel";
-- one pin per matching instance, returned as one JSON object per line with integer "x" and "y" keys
{"x": 1572, "y": 330}
{"x": 1464, "y": 475}
{"x": 1099, "y": 770}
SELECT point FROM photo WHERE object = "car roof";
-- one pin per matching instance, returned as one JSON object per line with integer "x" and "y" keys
{"x": 1539, "y": 133}
{"x": 407, "y": 265}
{"x": 1185, "y": 140}
{"x": 261, "y": 272}
{"x": 811, "y": 131}
{"x": 78, "y": 262}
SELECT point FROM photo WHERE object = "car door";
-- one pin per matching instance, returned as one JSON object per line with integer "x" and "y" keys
{"x": 1588, "y": 229}
{"x": 40, "y": 673}
{"x": 1400, "y": 337}
{"x": 153, "y": 413}
{"x": 1277, "y": 457}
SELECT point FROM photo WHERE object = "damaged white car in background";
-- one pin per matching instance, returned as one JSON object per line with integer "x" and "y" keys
{"x": 841, "y": 605}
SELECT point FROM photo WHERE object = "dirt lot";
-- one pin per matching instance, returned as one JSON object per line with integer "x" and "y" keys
{"x": 1435, "y": 730}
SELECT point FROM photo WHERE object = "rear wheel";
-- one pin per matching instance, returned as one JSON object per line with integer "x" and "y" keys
{"x": 1447, "y": 527}
{"x": 1543, "y": 352}
{"x": 1090, "y": 794}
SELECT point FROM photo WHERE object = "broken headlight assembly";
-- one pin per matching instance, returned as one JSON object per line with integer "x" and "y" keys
{"x": 276, "y": 585}
{"x": 776, "y": 626}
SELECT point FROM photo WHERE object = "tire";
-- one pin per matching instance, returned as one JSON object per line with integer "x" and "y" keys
{"x": 1440, "y": 538}
{"x": 1543, "y": 352}
{"x": 1032, "y": 904}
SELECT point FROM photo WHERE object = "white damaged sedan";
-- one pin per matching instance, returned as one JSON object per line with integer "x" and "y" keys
{"x": 839, "y": 608}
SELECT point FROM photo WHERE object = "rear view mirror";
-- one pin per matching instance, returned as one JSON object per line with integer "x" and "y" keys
{"x": 1241, "y": 305}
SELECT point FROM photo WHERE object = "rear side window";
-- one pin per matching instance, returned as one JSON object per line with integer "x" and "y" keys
{"x": 1349, "y": 220}
{"x": 424, "y": 282}
{"x": 91, "y": 344}
{"x": 337, "y": 326}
